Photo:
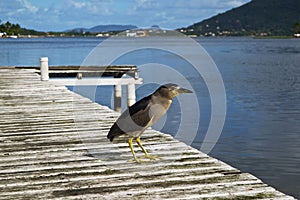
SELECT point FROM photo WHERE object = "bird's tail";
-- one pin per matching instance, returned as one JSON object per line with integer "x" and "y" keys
{"x": 114, "y": 131}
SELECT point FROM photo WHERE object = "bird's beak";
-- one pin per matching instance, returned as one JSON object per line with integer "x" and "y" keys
{"x": 183, "y": 90}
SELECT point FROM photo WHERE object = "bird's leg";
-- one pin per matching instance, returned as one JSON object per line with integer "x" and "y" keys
{"x": 132, "y": 151}
{"x": 138, "y": 141}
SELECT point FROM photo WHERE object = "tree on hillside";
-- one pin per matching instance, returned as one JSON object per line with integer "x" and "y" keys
{"x": 15, "y": 29}
{"x": 297, "y": 28}
{"x": 9, "y": 28}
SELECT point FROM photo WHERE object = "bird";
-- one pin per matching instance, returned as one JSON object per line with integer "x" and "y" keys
{"x": 143, "y": 114}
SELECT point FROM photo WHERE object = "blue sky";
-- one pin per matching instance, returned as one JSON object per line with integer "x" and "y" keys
{"x": 59, "y": 15}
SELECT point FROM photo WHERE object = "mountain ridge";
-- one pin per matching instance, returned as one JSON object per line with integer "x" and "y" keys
{"x": 257, "y": 17}
{"x": 104, "y": 28}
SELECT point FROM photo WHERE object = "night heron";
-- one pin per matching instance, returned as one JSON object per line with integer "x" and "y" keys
{"x": 143, "y": 114}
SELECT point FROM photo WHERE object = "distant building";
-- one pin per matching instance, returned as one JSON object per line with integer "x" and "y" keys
{"x": 2, "y": 34}
{"x": 102, "y": 35}
{"x": 297, "y": 35}
{"x": 130, "y": 34}
{"x": 139, "y": 33}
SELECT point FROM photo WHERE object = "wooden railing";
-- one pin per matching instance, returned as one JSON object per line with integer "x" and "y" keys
{"x": 116, "y": 75}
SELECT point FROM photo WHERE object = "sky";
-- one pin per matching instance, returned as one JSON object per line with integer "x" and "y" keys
{"x": 60, "y": 15}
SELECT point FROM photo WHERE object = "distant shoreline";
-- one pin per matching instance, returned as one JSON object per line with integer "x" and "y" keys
{"x": 90, "y": 36}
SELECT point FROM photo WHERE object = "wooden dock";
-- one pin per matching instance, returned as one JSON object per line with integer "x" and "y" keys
{"x": 48, "y": 152}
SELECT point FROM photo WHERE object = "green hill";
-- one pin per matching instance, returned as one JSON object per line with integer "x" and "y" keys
{"x": 16, "y": 29}
{"x": 258, "y": 17}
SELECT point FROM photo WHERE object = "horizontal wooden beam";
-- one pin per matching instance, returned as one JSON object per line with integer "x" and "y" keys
{"x": 110, "y": 68}
{"x": 116, "y": 71}
{"x": 96, "y": 81}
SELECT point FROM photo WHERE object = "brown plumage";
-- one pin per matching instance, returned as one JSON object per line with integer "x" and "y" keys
{"x": 143, "y": 114}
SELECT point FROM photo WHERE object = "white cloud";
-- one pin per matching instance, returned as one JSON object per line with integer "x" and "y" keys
{"x": 27, "y": 6}
{"x": 17, "y": 11}
{"x": 87, "y": 8}
{"x": 236, "y": 3}
{"x": 146, "y": 4}
{"x": 78, "y": 4}
{"x": 67, "y": 14}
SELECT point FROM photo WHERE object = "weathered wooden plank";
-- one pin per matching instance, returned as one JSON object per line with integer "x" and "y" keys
{"x": 51, "y": 147}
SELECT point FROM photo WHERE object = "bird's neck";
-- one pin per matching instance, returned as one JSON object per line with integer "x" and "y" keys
{"x": 163, "y": 101}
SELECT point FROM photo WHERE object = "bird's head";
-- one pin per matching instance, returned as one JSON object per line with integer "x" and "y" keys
{"x": 171, "y": 90}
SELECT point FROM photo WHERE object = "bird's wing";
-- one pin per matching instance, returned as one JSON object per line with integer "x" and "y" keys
{"x": 137, "y": 116}
{"x": 134, "y": 119}
{"x": 140, "y": 105}
{"x": 139, "y": 111}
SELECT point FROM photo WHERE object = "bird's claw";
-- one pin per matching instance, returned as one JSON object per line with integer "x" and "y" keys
{"x": 145, "y": 156}
{"x": 135, "y": 160}
{"x": 151, "y": 157}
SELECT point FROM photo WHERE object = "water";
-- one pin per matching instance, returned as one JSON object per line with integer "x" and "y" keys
{"x": 261, "y": 133}
{"x": 61, "y": 51}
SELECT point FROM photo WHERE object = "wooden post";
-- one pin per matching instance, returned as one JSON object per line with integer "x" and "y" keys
{"x": 117, "y": 98}
{"x": 44, "y": 68}
{"x": 131, "y": 94}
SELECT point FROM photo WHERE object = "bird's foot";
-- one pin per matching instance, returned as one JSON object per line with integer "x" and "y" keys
{"x": 135, "y": 160}
{"x": 151, "y": 157}
{"x": 145, "y": 156}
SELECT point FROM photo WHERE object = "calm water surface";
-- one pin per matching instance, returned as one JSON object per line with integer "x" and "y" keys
{"x": 262, "y": 130}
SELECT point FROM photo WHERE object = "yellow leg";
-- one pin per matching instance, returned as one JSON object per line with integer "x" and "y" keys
{"x": 138, "y": 141}
{"x": 132, "y": 151}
